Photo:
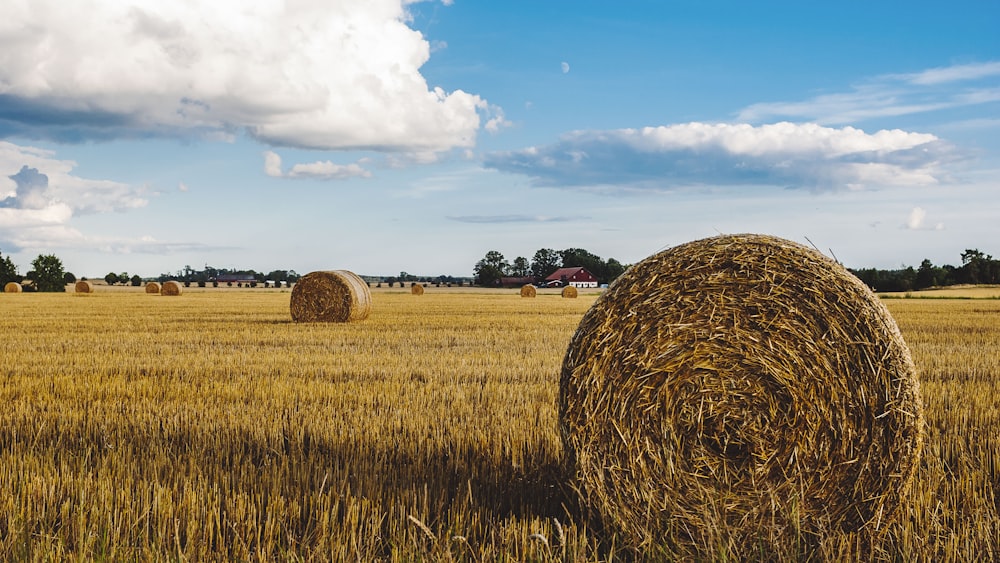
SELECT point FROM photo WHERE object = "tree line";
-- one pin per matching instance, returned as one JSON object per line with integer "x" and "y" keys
{"x": 976, "y": 268}
{"x": 492, "y": 268}
{"x": 211, "y": 275}
{"x": 46, "y": 274}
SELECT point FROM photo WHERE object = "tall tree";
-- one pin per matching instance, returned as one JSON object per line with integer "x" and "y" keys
{"x": 977, "y": 267}
{"x": 8, "y": 271}
{"x": 491, "y": 268}
{"x": 48, "y": 273}
{"x": 520, "y": 268}
{"x": 544, "y": 263}
{"x": 578, "y": 257}
{"x": 612, "y": 269}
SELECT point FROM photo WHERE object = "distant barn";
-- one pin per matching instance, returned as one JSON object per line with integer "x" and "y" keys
{"x": 577, "y": 277}
{"x": 236, "y": 279}
{"x": 516, "y": 281}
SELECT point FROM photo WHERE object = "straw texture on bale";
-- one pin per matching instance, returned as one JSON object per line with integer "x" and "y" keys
{"x": 84, "y": 286}
{"x": 335, "y": 296}
{"x": 569, "y": 292}
{"x": 417, "y": 289}
{"x": 152, "y": 287}
{"x": 734, "y": 390}
{"x": 171, "y": 288}
{"x": 528, "y": 290}
{"x": 12, "y": 287}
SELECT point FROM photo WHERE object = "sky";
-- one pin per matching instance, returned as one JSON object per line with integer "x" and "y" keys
{"x": 382, "y": 136}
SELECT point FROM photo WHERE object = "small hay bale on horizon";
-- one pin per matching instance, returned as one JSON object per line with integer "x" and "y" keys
{"x": 171, "y": 288}
{"x": 84, "y": 286}
{"x": 732, "y": 392}
{"x": 152, "y": 287}
{"x": 335, "y": 296}
{"x": 12, "y": 287}
{"x": 569, "y": 292}
{"x": 416, "y": 289}
{"x": 528, "y": 290}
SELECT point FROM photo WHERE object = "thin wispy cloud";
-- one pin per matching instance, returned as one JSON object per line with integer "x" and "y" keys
{"x": 890, "y": 95}
{"x": 956, "y": 73}
{"x": 785, "y": 154}
{"x": 515, "y": 218}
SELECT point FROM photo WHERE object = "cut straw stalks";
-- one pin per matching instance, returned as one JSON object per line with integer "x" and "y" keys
{"x": 84, "y": 286}
{"x": 528, "y": 290}
{"x": 153, "y": 287}
{"x": 171, "y": 288}
{"x": 569, "y": 292}
{"x": 735, "y": 391}
{"x": 12, "y": 287}
{"x": 417, "y": 289}
{"x": 334, "y": 296}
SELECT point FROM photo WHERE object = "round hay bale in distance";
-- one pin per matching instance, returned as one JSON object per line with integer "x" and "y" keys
{"x": 417, "y": 289}
{"x": 84, "y": 286}
{"x": 334, "y": 296}
{"x": 528, "y": 290}
{"x": 153, "y": 287}
{"x": 733, "y": 390}
{"x": 171, "y": 288}
{"x": 569, "y": 292}
{"x": 12, "y": 287}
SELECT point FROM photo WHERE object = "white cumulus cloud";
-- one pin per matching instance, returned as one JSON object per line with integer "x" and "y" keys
{"x": 917, "y": 220}
{"x": 40, "y": 194}
{"x": 320, "y": 170}
{"x": 785, "y": 154}
{"x": 310, "y": 73}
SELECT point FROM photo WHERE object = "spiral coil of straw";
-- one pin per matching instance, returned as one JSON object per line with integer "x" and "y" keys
{"x": 336, "y": 296}
{"x": 735, "y": 388}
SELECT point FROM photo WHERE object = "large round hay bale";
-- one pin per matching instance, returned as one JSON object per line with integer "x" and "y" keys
{"x": 528, "y": 290}
{"x": 171, "y": 288}
{"x": 417, "y": 289}
{"x": 335, "y": 296}
{"x": 84, "y": 286}
{"x": 12, "y": 287}
{"x": 152, "y": 287}
{"x": 733, "y": 392}
{"x": 569, "y": 292}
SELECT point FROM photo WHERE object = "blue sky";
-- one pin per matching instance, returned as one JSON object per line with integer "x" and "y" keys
{"x": 383, "y": 136}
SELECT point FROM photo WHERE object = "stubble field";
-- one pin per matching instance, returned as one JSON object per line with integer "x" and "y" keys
{"x": 209, "y": 426}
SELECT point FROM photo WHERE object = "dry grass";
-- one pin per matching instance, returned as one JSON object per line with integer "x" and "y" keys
{"x": 153, "y": 287}
{"x": 335, "y": 296}
{"x": 952, "y": 292}
{"x": 569, "y": 292}
{"x": 528, "y": 290}
{"x": 84, "y": 286}
{"x": 246, "y": 436}
{"x": 735, "y": 391}
{"x": 417, "y": 289}
{"x": 12, "y": 287}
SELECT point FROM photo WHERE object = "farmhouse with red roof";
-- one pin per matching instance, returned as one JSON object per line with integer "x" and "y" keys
{"x": 576, "y": 277}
